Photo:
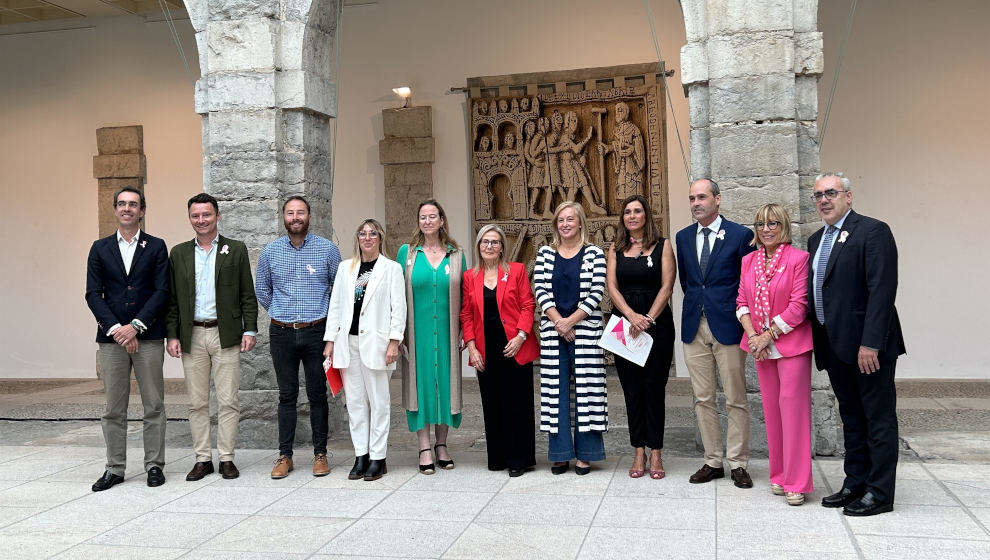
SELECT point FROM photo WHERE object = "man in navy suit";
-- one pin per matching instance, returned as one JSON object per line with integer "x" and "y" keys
{"x": 709, "y": 260}
{"x": 127, "y": 290}
{"x": 851, "y": 292}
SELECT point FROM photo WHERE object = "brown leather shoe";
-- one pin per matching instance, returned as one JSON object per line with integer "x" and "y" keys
{"x": 228, "y": 470}
{"x": 706, "y": 474}
{"x": 741, "y": 478}
{"x": 321, "y": 467}
{"x": 199, "y": 470}
{"x": 283, "y": 466}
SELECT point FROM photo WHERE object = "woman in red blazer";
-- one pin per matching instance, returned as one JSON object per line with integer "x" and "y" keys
{"x": 772, "y": 306}
{"x": 497, "y": 321}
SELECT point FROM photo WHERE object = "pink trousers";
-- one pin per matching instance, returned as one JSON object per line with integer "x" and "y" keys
{"x": 785, "y": 384}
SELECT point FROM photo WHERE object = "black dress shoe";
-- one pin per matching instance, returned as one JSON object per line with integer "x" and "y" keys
{"x": 376, "y": 468}
{"x": 842, "y": 498}
{"x": 516, "y": 472}
{"x": 155, "y": 477}
{"x": 199, "y": 470}
{"x": 360, "y": 465}
{"x": 228, "y": 470}
{"x": 707, "y": 474}
{"x": 741, "y": 478}
{"x": 866, "y": 506}
{"x": 107, "y": 481}
{"x": 496, "y": 468}
{"x": 560, "y": 469}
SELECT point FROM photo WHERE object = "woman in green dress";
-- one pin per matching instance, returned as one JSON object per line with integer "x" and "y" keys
{"x": 431, "y": 376}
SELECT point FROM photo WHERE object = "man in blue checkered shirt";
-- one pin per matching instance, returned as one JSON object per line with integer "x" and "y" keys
{"x": 295, "y": 275}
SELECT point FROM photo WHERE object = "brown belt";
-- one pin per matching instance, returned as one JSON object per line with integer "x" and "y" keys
{"x": 205, "y": 324}
{"x": 299, "y": 325}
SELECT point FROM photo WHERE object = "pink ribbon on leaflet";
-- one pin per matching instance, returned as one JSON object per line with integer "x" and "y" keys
{"x": 619, "y": 333}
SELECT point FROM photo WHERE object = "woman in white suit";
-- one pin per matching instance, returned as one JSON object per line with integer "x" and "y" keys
{"x": 365, "y": 323}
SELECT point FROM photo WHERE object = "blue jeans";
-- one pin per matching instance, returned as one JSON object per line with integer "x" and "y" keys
{"x": 569, "y": 443}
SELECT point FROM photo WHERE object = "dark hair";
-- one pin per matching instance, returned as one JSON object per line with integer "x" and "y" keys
{"x": 651, "y": 233}
{"x": 712, "y": 185}
{"x": 203, "y": 198}
{"x": 295, "y": 197}
{"x": 129, "y": 189}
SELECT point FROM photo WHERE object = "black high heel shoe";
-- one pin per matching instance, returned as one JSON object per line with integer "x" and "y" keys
{"x": 360, "y": 465}
{"x": 445, "y": 465}
{"x": 426, "y": 469}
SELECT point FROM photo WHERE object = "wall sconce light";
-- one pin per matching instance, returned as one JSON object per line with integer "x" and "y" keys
{"x": 404, "y": 93}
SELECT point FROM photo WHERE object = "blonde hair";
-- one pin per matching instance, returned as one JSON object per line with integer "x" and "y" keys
{"x": 503, "y": 258}
{"x": 582, "y": 221}
{"x": 773, "y": 212}
{"x": 357, "y": 246}
{"x": 418, "y": 239}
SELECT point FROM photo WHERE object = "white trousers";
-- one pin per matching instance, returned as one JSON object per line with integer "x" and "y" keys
{"x": 368, "y": 404}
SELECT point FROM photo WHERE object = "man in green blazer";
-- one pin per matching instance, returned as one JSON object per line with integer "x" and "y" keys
{"x": 212, "y": 315}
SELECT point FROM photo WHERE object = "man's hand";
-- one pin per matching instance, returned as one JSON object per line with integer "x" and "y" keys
{"x": 124, "y": 334}
{"x": 391, "y": 353}
{"x": 173, "y": 348}
{"x": 247, "y": 342}
{"x": 131, "y": 346}
{"x": 869, "y": 360}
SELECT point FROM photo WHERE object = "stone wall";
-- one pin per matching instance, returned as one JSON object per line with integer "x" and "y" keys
{"x": 407, "y": 153}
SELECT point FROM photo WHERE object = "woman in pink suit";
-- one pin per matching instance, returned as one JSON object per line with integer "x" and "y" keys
{"x": 772, "y": 307}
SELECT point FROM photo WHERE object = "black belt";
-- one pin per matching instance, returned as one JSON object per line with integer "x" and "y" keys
{"x": 205, "y": 324}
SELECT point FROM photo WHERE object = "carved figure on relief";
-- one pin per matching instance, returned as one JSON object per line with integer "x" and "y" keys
{"x": 630, "y": 154}
{"x": 534, "y": 150}
{"x": 573, "y": 164}
{"x": 509, "y": 142}
{"x": 480, "y": 109}
{"x": 494, "y": 108}
{"x": 524, "y": 104}
{"x": 515, "y": 105}
{"x": 503, "y": 105}
{"x": 553, "y": 136}
{"x": 485, "y": 144}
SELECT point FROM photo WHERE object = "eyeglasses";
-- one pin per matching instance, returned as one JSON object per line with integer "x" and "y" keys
{"x": 769, "y": 225}
{"x": 830, "y": 194}
{"x": 127, "y": 204}
{"x": 490, "y": 242}
{"x": 367, "y": 235}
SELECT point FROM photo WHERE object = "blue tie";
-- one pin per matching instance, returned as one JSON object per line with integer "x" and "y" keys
{"x": 705, "y": 251}
{"x": 826, "y": 250}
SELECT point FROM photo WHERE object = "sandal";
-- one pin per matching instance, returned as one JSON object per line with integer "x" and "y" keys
{"x": 636, "y": 473}
{"x": 658, "y": 473}
{"x": 426, "y": 469}
{"x": 443, "y": 464}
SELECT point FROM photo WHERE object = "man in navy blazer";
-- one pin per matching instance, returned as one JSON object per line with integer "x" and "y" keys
{"x": 127, "y": 289}
{"x": 857, "y": 336}
{"x": 709, "y": 260}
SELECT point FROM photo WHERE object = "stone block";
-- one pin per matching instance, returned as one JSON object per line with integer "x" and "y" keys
{"x": 405, "y": 150}
{"x": 306, "y": 131}
{"x": 120, "y": 140}
{"x": 244, "y": 166}
{"x": 741, "y": 203}
{"x": 199, "y": 14}
{"x": 400, "y": 211}
{"x": 237, "y": 90}
{"x": 321, "y": 14}
{"x": 743, "y": 16}
{"x": 701, "y": 157}
{"x": 201, "y": 97}
{"x": 202, "y": 49}
{"x": 106, "y": 188}
{"x": 809, "y": 57}
{"x": 754, "y": 98}
{"x": 119, "y": 165}
{"x": 226, "y": 10}
{"x": 805, "y": 15}
{"x": 244, "y": 131}
{"x": 806, "y": 187}
{"x": 297, "y": 89}
{"x": 807, "y": 146}
{"x": 409, "y": 122}
{"x": 750, "y": 54}
{"x": 694, "y": 63}
{"x": 698, "y": 99}
{"x": 303, "y": 47}
{"x": 255, "y": 222}
{"x": 244, "y": 190}
{"x": 242, "y": 45}
{"x": 695, "y": 20}
{"x": 405, "y": 174}
{"x": 824, "y": 423}
{"x": 753, "y": 149}
{"x": 806, "y": 97}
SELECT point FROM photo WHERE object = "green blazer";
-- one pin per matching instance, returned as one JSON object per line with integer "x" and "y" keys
{"x": 237, "y": 308}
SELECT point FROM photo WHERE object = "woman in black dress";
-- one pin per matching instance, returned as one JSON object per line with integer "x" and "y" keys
{"x": 640, "y": 279}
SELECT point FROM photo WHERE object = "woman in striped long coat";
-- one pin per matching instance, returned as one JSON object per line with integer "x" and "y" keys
{"x": 569, "y": 281}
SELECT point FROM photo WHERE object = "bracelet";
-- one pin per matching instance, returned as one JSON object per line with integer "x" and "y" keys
{"x": 522, "y": 334}
{"x": 137, "y": 326}
{"x": 650, "y": 319}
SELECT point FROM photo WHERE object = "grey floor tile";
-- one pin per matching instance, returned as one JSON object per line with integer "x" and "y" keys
{"x": 81, "y": 516}
{"x": 539, "y": 509}
{"x": 10, "y": 515}
{"x": 11, "y": 452}
{"x": 899, "y": 548}
{"x": 396, "y": 537}
{"x": 964, "y": 403}
{"x": 325, "y": 502}
{"x": 136, "y": 493}
{"x": 394, "y": 478}
{"x": 463, "y": 478}
{"x": 295, "y": 535}
{"x": 219, "y": 498}
{"x": 201, "y": 554}
{"x": 953, "y": 471}
{"x": 167, "y": 529}
{"x": 675, "y": 485}
{"x": 39, "y": 493}
{"x": 607, "y": 543}
{"x": 657, "y": 513}
{"x": 920, "y": 521}
{"x": 35, "y": 466}
{"x": 481, "y": 541}
{"x": 773, "y": 554}
{"x": 21, "y": 543}
{"x": 442, "y": 506}
{"x": 102, "y": 551}
{"x": 542, "y": 481}
{"x": 922, "y": 493}
{"x": 259, "y": 474}
{"x": 972, "y": 493}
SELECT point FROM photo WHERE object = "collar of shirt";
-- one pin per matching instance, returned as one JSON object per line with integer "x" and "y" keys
{"x": 306, "y": 241}
{"x": 120, "y": 238}
{"x": 422, "y": 249}
{"x": 213, "y": 243}
{"x": 714, "y": 226}
{"x": 842, "y": 220}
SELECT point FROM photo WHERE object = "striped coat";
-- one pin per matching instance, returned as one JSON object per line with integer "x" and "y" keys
{"x": 589, "y": 399}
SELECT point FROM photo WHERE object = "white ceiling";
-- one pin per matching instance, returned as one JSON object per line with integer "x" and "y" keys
{"x": 28, "y": 11}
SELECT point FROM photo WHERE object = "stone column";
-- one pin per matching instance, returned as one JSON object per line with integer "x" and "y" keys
{"x": 407, "y": 154}
{"x": 750, "y": 69}
{"x": 266, "y": 99}
{"x": 119, "y": 163}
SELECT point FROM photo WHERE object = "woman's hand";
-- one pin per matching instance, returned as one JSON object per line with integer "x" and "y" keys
{"x": 476, "y": 359}
{"x": 512, "y": 348}
{"x": 563, "y": 325}
{"x": 391, "y": 353}
{"x": 762, "y": 355}
{"x": 637, "y": 324}
{"x": 328, "y": 351}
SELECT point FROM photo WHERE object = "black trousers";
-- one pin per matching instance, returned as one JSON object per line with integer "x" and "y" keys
{"x": 507, "y": 403}
{"x": 867, "y": 406}
{"x": 289, "y": 347}
{"x": 645, "y": 391}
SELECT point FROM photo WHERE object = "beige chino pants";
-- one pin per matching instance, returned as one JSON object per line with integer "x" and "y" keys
{"x": 205, "y": 359}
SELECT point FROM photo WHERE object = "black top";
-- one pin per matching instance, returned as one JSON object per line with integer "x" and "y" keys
{"x": 566, "y": 282}
{"x": 639, "y": 280}
{"x": 364, "y": 274}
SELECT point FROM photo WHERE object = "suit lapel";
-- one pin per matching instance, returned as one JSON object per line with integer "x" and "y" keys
{"x": 693, "y": 249}
{"x": 478, "y": 289}
{"x": 851, "y": 220}
{"x": 188, "y": 258}
{"x": 114, "y": 247}
{"x": 138, "y": 251}
{"x": 221, "y": 258}
{"x": 373, "y": 282}
{"x": 716, "y": 247}
{"x": 501, "y": 286}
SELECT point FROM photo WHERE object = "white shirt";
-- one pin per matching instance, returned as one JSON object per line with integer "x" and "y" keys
{"x": 835, "y": 237}
{"x": 127, "y": 249}
{"x": 205, "y": 280}
{"x": 714, "y": 226}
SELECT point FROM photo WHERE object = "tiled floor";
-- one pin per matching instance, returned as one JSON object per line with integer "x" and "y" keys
{"x": 48, "y": 511}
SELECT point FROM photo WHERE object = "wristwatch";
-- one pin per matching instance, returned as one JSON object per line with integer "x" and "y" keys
{"x": 522, "y": 334}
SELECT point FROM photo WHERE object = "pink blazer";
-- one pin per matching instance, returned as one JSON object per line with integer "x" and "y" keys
{"x": 788, "y": 298}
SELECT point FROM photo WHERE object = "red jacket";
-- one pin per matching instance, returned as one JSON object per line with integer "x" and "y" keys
{"x": 515, "y": 306}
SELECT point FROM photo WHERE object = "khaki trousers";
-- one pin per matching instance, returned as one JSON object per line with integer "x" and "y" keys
{"x": 702, "y": 355}
{"x": 204, "y": 359}
{"x": 115, "y": 368}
